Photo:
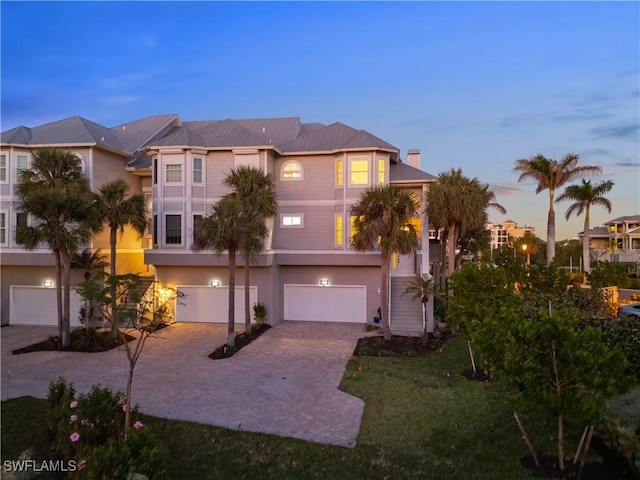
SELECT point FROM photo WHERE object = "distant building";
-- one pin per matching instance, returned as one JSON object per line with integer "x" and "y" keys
{"x": 617, "y": 241}
{"x": 500, "y": 234}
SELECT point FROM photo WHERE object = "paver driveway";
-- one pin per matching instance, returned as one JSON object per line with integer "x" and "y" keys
{"x": 285, "y": 383}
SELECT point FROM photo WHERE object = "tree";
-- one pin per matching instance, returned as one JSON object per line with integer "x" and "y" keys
{"x": 421, "y": 288}
{"x": 551, "y": 175}
{"x": 56, "y": 194}
{"x": 90, "y": 262}
{"x": 225, "y": 230}
{"x": 458, "y": 205}
{"x": 584, "y": 196}
{"x": 257, "y": 192}
{"x": 382, "y": 217}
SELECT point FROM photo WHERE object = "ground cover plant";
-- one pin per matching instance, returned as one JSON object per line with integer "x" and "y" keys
{"x": 82, "y": 340}
{"x": 422, "y": 419}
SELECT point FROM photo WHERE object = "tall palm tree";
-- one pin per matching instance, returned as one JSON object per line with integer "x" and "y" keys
{"x": 458, "y": 204}
{"x": 56, "y": 194}
{"x": 256, "y": 190}
{"x": 551, "y": 175}
{"x": 225, "y": 230}
{"x": 382, "y": 218}
{"x": 584, "y": 196}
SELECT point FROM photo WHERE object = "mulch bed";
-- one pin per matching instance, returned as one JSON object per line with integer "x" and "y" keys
{"x": 400, "y": 346}
{"x": 241, "y": 341}
{"x": 96, "y": 341}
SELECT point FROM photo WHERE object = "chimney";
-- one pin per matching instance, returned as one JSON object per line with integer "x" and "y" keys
{"x": 413, "y": 158}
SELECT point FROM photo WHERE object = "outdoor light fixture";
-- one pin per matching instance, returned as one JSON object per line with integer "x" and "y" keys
{"x": 215, "y": 283}
{"x": 324, "y": 282}
{"x": 47, "y": 283}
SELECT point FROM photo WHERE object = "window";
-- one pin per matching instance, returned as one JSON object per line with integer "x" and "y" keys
{"x": 197, "y": 170}
{"x": 197, "y": 219}
{"x": 417, "y": 224}
{"x": 154, "y": 229}
{"x": 381, "y": 169}
{"x": 291, "y": 221}
{"x": 339, "y": 173}
{"x": 155, "y": 171}
{"x": 3, "y": 228}
{"x": 3, "y": 168}
{"x": 339, "y": 229}
{"x": 173, "y": 229}
{"x": 173, "y": 173}
{"x": 359, "y": 172}
{"x": 22, "y": 219}
{"x": 352, "y": 227}
{"x": 22, "y": 164}
{"x": 291, "y": 171}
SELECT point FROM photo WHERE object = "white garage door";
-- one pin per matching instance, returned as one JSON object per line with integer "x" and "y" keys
{"x": 209, "y": 304}
{"x": 32, "y": 305}
{"x": 333, "y": 303}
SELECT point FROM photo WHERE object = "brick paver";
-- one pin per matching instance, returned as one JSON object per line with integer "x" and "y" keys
{"x": 284, "y": 383}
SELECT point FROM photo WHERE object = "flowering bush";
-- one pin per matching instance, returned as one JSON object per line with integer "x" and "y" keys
{"x": 89, "y": 428}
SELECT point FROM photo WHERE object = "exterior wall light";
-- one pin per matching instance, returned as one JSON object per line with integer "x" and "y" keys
{"x": 47, "y": 283}
{"x": 215, "y": 283}
{"x": 324, "y": 282}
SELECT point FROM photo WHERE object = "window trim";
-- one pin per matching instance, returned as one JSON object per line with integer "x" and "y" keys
{"x": 339, "y": 230}
{"x": 351, "y": 172}
{"x": 195, "y": 224}
{"x": 4, "y": 228}
{"x": 292, "y": 216}
{"x": 154, "y": 230}
{"x": 166, "y": 173}
{"x": 292, "y": 178}
{"x": 382, "y": 162}
{"x": 154, "y": 172}
{"x": 166, "y": 231}
{"x": 16, "y": 170}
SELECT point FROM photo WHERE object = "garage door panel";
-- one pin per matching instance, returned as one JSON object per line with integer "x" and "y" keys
{"x": 204, "y": 304}
{"x": 32, "y": 305}
{"x": 334, "y": 303}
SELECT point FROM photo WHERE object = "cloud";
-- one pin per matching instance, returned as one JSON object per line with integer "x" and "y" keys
{"x": 506, "y": 190}
{"x": 629, "y": 131}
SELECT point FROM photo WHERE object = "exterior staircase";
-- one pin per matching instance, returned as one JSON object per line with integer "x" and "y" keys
{"x": 406, "y": 315}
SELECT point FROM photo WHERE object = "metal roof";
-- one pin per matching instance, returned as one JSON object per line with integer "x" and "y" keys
{"x": 627, "y": 218}
{"x": 401, "y": 172}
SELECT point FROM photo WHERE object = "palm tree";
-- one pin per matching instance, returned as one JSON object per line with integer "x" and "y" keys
{"x": 57, "y": 195}
{"x": 225, "y": 230}
{"x": 458, "y": 205}
{"x": 257, "y": 192}
{"x": 382, "y": 218}
{"x": 551, "y": 175}
{"x": 421, "y": 288}
{"x": 89, "y": 262}
{"x": 584, "y": 196}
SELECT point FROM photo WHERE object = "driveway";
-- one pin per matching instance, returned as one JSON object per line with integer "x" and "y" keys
{"x": 284, "y": 383}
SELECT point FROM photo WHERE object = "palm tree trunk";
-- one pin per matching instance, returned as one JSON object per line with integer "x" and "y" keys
{"x": 66, "y": 310}
{"x": 59, "y": 296}
{"x": 113, "y": 238}
{"x": 384, "y": 295}
{"x": 451, "y": 249}
{"x": 231, "y": 336}
{"x": 586, "y": 261}
{"x": 247, "y": 298}
{"x": 551, "y": 230}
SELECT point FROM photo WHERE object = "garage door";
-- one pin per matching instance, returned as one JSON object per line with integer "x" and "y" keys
{"x": 209, "y": 304}
{"x": 333, "y": 303}
{"x": 32, "y": 305}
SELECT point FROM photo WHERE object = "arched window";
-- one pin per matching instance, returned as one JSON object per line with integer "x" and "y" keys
{"x": 291, "y": 171}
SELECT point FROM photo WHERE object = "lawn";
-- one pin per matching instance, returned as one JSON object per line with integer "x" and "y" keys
{"x": 422, "y": 419}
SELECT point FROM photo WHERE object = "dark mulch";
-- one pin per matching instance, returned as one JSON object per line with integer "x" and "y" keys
{"x": 241, "y": 341}
{"x": 96, "y": 341}
{"x": 400, "y": 346}
{"x": 478, "y": 375}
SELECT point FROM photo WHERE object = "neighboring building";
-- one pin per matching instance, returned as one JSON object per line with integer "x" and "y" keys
{"x": 617, "y": 241}
{"x": 307, "y": 271}
{"x": 500, "y": 234}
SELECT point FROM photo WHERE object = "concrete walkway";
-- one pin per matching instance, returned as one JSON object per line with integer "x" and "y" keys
{"x": 284, "y": 383}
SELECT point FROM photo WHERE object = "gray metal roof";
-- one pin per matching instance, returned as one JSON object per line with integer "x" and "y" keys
{"x": 334, "y": 137}
{"x": 133, "y": 135}
{"x": 627, "y": 218}
{"x": 401, "y": 172}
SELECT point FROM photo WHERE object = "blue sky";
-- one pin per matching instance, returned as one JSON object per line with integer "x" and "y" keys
{"x": 473, "y": 85}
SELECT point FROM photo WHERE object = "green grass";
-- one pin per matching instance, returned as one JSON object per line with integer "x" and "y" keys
{"x": 422, "y": 419}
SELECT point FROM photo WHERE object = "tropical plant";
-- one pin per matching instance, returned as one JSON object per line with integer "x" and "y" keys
{"x": 584, "y": 196}
{"x": 382, "y": 220}
{"x": 226, "y": 230}
{"x": 90, "y": 262}
{"x": 256, "y": 190}
{"x": 421, "y": 288}
{"x": 551, "y": 175}
{"x": 56, "y": 194}
{"x": 458, "y": 205}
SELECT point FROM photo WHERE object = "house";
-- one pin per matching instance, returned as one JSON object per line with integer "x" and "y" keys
{"x": 307, "y": 270}
{"x": 500, "y": 234}
{"x": 617, "y": 241}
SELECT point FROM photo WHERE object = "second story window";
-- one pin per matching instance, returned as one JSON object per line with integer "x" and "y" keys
{"x": 173, "y": 173}
{"x": 359, "y": 171}
{"x": 22, "y": 164}
{"x": 155, "y": 171}
{"x": 338, "y": 173}
{"x": 3, "y": 228}
{"x": 197, "y": 170}
{"x": 381, "y": 169}
{"x": 3, "y": 168}
{"x": 291, "y": 171}
{"x": 291, "y": 221}
{"x": 197, "y": 220}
